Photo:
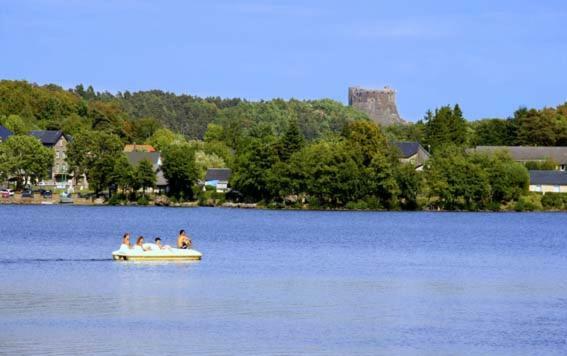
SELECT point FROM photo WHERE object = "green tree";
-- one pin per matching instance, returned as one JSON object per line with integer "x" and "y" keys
{"x": 26, "y": 159}
{"x": 329, "y": 173}
{"x": 180, "y": 170}
{"x": 214, "y": 133}
{"x": 446, "y": 126}
{"x": 15, "y": 124}
{"x": 292, "y": 141}
{"x": 367, "y": 139}
{"x": 493, "y": 132}
{"x": 410, "y": 186}
{"x": 163, "y": 138}
{"x": 123, "y": 174}
{"x": 94, "y": 154}
{"x": 145, "y": 175}
{"x": 251, "y": 171}
{"x": 456, "y": 182}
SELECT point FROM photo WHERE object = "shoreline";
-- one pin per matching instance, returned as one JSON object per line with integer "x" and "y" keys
{"x": 195, "y": 204}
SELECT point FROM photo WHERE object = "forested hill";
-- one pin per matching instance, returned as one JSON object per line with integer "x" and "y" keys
{"x": 135, "y": 116}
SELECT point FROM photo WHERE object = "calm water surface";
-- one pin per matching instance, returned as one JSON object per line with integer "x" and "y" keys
{"x": 281, "y": 282}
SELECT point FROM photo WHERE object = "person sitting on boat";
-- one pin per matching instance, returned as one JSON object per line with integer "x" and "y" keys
{"x": 126, "y": 242}
{"x": 183, "y": 241}
{"x": 160, "y": 246}
{"x": 140, "y": 244}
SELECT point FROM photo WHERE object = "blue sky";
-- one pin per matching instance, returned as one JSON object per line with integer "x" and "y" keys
{"x": 489, "y": 56}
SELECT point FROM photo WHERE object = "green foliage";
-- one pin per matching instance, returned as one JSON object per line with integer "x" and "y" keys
{"x": 25, "y": 157}
{"x": 554, "y": 200}
{"x": 180, "y": 170}
{"x": 508, "y": 179}
{"x": 251, "y": 173}
{"x": 117, "y": 199}
{"x": 328, "y": 172}
{"x": 292, "y": 141}
{"x": 204, "y": 161}
{"x": 493, "y": 132}
{"x": 15, "y": 124}
{"x": 143, "y": 200}
{"x": 405, "y": 132}
{"x": 445, "y": 126}
{"x": 94, "y": 153}
{"x": 410, "y": 186}
{"x": 547, "y": 165}
{"x": 530, "y": 202}
{"x": 457, "y": 182}
{"x": 162, "y": 138}
{"x": 123, "y": 175}
{"x": 214, "y": 133}
{"x": 145, "y": 175}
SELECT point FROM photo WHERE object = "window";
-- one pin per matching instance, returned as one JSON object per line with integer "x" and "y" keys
{"x": 562, "y": 167}
{"x": 537, "y": 188}
{"x": 556, "y": 188}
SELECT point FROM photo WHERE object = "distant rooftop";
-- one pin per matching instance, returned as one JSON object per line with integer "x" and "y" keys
{"x": 48, "y": 137}
{"x": 139, "y": 148}
{"x": 528, "y": 153}
{"x": 222, "y": 174}
{"x": 548, "y": 178}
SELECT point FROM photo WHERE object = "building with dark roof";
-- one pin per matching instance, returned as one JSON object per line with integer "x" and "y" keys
{"x": 61, "y": 176}
{"x": 548, "y": 181}
{"x": 218, "y": 178}
{"x": 412, "y": 152}
{"x": 525, "y": 154}
{"x": 4, "y": 133}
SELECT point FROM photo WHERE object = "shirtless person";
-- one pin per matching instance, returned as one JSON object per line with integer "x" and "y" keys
{"x": 183, "y": 241}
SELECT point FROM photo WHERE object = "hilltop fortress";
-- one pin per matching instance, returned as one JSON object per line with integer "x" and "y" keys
{"x": 378, "y": 104}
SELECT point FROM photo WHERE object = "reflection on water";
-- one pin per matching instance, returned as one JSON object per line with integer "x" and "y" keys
{"x": 283, "y": 283}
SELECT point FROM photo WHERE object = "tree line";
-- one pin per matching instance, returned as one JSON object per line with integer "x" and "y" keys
{"x": 318, "y": 154}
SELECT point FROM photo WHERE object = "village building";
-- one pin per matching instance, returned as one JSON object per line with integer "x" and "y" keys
{"x": 135, "y": 157}
{"x": 4, "y": 133}
{"x": 412, "y": 153}
{"x": 60, "y": 176}
{"x": 524, "y": 154}
{"x": 218, "y": 178}
{"x": 548, "y": 181}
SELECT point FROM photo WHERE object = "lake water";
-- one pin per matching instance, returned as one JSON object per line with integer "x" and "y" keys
{"x": 283, "y": 282}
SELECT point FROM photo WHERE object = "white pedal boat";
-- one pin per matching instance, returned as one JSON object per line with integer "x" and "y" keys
{"x": 171, "y": 254}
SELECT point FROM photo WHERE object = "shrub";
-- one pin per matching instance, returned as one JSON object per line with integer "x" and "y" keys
{"x": 553, "y": 200}
{"x": 530, "y": 202}
{"x": 143, "y": 200}
{"x": 117, "y": 199}
{"x": 357, "y": 205}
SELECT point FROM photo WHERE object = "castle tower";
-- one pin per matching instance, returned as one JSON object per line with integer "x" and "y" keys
{"x": 378, "y": 104}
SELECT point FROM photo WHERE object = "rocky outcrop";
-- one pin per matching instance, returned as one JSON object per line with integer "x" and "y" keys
{"x": 378, "y": 104}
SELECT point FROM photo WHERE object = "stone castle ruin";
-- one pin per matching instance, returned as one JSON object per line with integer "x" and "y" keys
{"x": 378, "y": 104}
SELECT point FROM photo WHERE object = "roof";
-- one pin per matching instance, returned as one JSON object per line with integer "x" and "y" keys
{"x": 548, "y": 177}
{"x": 408, "y": 149}
{"x": 139, "y": 148}
{"x": 48, "y": 137}
{"x": 527, "y": 153}
{"x": 136, "y": 157}
{"x": 5, "y": 133}
{"x": 218, "y": 174}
